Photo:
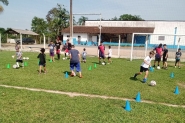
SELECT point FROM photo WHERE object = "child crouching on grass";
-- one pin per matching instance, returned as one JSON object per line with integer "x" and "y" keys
{"x": 145, "y": 65}
{"x": 42, "y": 60}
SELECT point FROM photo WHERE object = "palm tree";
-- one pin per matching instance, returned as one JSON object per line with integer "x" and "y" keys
{"x": 81, "y": 20}
{"x": 5, "y": 2}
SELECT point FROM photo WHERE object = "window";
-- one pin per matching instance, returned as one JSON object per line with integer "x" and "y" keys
{"x": 162, "y": 38}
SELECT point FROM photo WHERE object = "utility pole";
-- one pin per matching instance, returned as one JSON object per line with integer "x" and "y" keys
{"x": 71, "y": 21}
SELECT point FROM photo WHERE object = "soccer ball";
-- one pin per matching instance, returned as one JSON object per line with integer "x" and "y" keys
{"x": 24, "y": 58}
{"x": 152, "y": 83}
{"x": 103, "y": 63}
{"x": 158, "y": 67}
{"x": 64, "y": 58}
{"x": 27, "y": 58}
{"x": 15, "y": 66}
{"x": 13, "y": 56}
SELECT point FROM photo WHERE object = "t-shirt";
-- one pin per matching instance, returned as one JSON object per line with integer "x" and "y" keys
{"x": 74, "y": 56}
{"x": 42, "y": 58}
{"x": 165, "y": 51}
{"x": 101, "y": 48}
{"x": 51, "y": 47}
{"x": 158, "y": 52}
{"x": 148, "y": 60}
{"x": 69, "y": 46}
{"x": 110, "y": 53}
{"x": 57, "y": 44}
{"x": 178, "y": 55}
{"x": 84, "y": 53}
{"x": 19, "y": 55}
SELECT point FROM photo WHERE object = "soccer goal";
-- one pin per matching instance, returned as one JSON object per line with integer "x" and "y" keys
{"x": 142, "y": 43}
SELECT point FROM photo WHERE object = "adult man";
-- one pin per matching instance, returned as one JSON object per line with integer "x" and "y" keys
{"x": 68, "y": 45}
{"x": 101, "y": 51}
{"x": 75, "y": 57}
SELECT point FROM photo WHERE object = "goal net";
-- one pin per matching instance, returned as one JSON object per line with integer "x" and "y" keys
{"x": 143, "y": 43}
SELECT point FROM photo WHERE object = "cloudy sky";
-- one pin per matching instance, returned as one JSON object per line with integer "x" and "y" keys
{"x": 19, "y": 13}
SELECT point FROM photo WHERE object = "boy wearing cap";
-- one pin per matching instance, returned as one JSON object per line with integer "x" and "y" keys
{"x": 42, "y": 60}
{"x": 177, "y": 57}
{"x": 165, "y": 56}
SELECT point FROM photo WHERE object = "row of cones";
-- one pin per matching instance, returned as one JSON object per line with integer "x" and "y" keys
{"x": 8, "y": 65}
{"x": 90, "y": 67}
{"x": 138, "y": 99}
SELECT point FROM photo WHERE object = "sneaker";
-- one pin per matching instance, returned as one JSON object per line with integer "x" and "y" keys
{"x": 144, "y": 80}
{"x": 135, "y": 75}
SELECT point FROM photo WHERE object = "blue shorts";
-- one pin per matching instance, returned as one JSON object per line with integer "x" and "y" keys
{"x": 75, "y": 65}
{"x": 101, "y": 55}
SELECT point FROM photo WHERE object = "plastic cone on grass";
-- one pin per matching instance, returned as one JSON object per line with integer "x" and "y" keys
{"x": 66, "y": 75}
{"x": 151, "y": 69}
{"x": 8, "y": 66}
{"x": 176, "y": 90}
{"x": 172, "y": 75}
{"x": 50, "y": 60}
{"x": 95, "y": 65}
{"x": 90, "y": 68}
{"x": 138, "y": 99}
{"x": 127, "y": 107}
{"x": 25, "y": 64}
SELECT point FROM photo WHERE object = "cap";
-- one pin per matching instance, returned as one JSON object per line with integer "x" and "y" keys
{"x": 164, "y": 44}
{"x": 179, "y": 49}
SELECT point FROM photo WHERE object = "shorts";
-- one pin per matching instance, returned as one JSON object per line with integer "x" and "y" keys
{"x": 52, "y": 54}
{"x": 177, "y": 60}
{"x": 101, "y": 55}
{"x": 142, "y": 69}
{"x": 18, "y": 60}
{"x": 75, "y": 65}
{"x": 109, "y": 57}
{"x": 42, "y": 64}
{"x": 66, "y": 51}
{"x": 158, "y": 59}
{"x": 164, "y": 59}
{"x": 58, "y": 51}
{"x": 84, "y": 58}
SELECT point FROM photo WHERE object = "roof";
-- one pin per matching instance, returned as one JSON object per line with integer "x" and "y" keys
{"x": 18, "y": 31}
{"x": 113, "y": 30}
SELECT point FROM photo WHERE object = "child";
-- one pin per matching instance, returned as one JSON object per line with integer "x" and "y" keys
{"x": 165, "y": 56}
{"x": 58, "y": 47}
{"x": 101, "y": 50}
{"x": 75, "y": 61}
{"x": 145, "y": 65}
{"x": 19, "y": 58}
{"x": 84, "y": 53}
{"x": 158, "y": 54}
{"x": 51, "y": 50}
{"x": 177, "y": 58}
{"x": 109, "y": 55}
{"x": 42, "y": 60}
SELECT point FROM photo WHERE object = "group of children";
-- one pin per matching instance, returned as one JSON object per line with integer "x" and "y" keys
{"x": 158, "y": 52}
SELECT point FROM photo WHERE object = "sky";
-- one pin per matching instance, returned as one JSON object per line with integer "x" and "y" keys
{"x": 19, "y": 13}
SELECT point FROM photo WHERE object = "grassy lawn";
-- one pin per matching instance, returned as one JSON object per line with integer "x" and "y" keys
{"x": 110, "y": 80}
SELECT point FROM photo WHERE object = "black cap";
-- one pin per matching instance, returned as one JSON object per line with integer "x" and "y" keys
{"x": 179, "y": 49}
{"x": 164, "y": 44}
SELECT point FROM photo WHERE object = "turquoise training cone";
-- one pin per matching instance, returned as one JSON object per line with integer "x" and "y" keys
{"x": 127, "y": 107}
{"x": 138, "y": 99}
{"x": 176, "y": 90}
{"x": 151, "y": 69}
{"x": 66, "y": 75}
{"x": 172, "y": 75}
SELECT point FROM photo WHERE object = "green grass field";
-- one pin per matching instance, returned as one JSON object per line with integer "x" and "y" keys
{"x": 110, "y": 80}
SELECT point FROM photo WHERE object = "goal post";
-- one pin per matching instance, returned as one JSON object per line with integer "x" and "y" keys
{"x": 142, "y": 43}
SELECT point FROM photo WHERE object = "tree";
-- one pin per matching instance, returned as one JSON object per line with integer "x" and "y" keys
{"x": 129, "y": 17}
{"x": 114, "y": 19}
{"x": 39, "y": 25}
{"x": 3, "y": 36}
{"x": 5, "y": 2}
{"x": 58, "y": 19}
{"x": 81, "y": 20}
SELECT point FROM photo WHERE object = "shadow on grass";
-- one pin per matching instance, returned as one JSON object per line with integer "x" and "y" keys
{"x": 95, "y": 62}
{"x": 68, "y": 72}
{"x": 134, "y": 79}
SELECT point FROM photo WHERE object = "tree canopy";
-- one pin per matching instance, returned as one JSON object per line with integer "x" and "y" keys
{"x": 5, "y": 2}
{"x": 129, "y": 17}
